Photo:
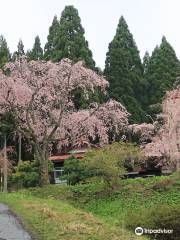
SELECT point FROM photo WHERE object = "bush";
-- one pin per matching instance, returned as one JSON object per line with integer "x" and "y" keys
{"x": 16, "y": 180}
{"x": 106, "y": 164}
{"x": 74, "y": 171}
{"x": 22, "y": 179}
{"x": 26, "y": 174}
{"x": 27, "y": 166}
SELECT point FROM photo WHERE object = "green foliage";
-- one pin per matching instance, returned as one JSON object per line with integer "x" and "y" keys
{"x": 49, "y": 49}
{"x": 27, "y": 166}
{"x": 20, "y": 50}
{"x": 82, "y": 102}
{"x": 26, "y": 175}
{"x": 155, "y": 109}
{"x": 42, "y": 217}
{"x": 22, "y": 179}
{"x": 124, "y": 71}
{"x": 4, "y": 52}
{"x": 66, "y": 39}
{"x": 50, "y": 166}
{"x": 146, "y": 60}
{"x": 161, "y": 72}
{"x": 37, "y": 52}
{"x": 133, "y": 202}
{"x": 74, "y": 171}
{"x": 7, "y": 123}
{"x": 158, "y": 217}
{"x": 131, "y": 194}
{"x": 7, "y": 127}
{"x": 106, "y": 164}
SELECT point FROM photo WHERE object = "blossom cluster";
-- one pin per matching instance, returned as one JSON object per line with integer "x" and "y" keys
{"x": 40, "y": 96}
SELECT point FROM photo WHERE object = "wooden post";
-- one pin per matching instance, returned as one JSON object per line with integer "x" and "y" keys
{"x": 5, "y": 164}
{"x": 20, "y": 149}
{"x": 1, "y": 179}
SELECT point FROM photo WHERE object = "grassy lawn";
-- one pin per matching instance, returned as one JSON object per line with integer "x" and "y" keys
{"x": 51, "y": 219}
{"x": 93, "y": 211}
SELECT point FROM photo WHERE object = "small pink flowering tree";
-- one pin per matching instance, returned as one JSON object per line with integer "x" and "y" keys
{"x": 143, "y": 132}
{"x": 39, "y": 95}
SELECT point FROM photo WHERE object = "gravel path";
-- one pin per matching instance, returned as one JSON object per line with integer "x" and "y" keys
{"x": 10, "y": 227}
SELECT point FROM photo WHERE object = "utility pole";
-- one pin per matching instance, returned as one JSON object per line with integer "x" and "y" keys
{"x": 5, "y": 164}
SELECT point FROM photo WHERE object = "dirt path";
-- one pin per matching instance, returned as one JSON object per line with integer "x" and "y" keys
{"x": 10, "y": 227}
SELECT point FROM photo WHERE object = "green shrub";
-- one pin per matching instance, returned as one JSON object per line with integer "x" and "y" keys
{"x": 106, "y": 164}
{"x": 74, "y": 171}
{"x": 16, "y": 180}
{"x": 31, "y": 179}
{"x": 26, "y": 175}
{"x": 27, "y": 166}
{"x": 24, "y": 179}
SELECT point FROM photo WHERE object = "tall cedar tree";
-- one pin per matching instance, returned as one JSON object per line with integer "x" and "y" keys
{"x": 146, "y": 60}
{"x": 69, "y": 42}
{"x": 37, "y": 52}
{"x": 20, "y": 50}
{"x": 124, "y": 71}
{"x": 49, "y": 49}
{"x": 4, "y": 52}
{"x": 162, "y": 71}
{"x": 66, "y": 40}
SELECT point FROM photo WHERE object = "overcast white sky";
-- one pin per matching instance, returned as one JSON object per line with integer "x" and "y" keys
{"x": 148, "y": 20}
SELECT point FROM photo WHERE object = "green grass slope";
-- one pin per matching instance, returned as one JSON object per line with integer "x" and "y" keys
{"x": 93, "y": 211}
{"x": 50, "y": 219}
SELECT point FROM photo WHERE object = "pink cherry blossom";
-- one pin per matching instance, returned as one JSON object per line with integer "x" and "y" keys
{"x": 166, "y": 144}
{"x": 39, "y": 95}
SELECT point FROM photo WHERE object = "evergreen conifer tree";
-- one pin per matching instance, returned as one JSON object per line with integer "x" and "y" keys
{"x": 162, "y": 72}
{"x": 49, "y": 49}
{"x": 124, "y": 71}
{"x": 20, "y": 50}
{"x": 146, "y": 60}
{"x": 4, "y": 52}
{"x": 37, "y": 52}
{"x": 70, "y": 41}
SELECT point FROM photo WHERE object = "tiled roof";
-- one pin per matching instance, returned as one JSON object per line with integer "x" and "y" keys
{"x": 66, "y": 156}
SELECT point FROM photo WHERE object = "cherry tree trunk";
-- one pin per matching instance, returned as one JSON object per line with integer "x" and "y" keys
{"x": 43, "y": 158}
{"x": 44, "y": 176}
